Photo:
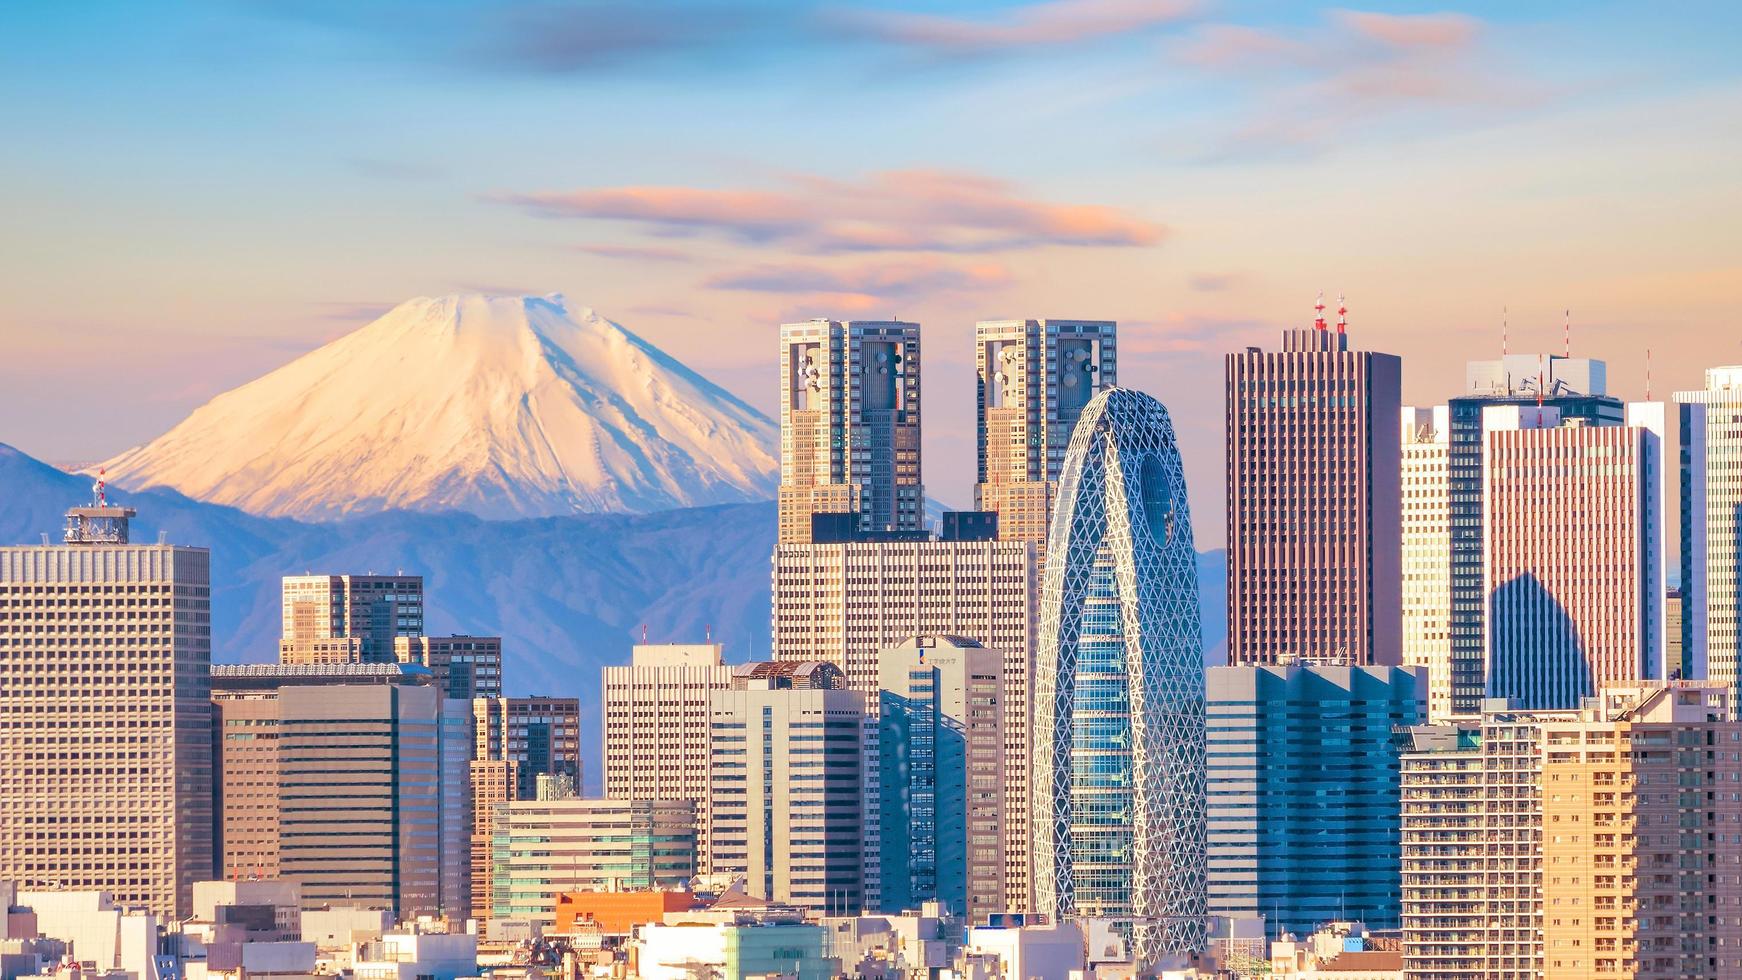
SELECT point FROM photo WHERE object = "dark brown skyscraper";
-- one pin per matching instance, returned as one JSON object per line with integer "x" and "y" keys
{"x": 1314, "y": 502}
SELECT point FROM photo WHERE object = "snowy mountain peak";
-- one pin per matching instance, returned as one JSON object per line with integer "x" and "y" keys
{"x": 501, "y": 406}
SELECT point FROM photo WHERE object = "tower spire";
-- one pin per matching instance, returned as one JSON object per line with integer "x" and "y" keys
{"x": 1319, "y": 313}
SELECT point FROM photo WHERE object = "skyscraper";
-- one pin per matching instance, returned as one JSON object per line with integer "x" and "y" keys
{"x": 1427, "y": 554}
{"x": 1314, "y": 533}
{"x": 1035, "y": 376}
{"x": 1711, "y": 522}
{"x": 941, "y": 751}
{"x": 849, "y": 425}
{"x": 348, "y": 618}
{"x": 105, "y": 714}
{"x": 1302, "y": 774}
{"x": 1573, "y": 385}
{"x": 807, "y": 841}
{"x": 464, "y": 667}
{"x": 542, "y": 735}
{"x": 1119, "y": 686}
{"x": 1574, "y": 553}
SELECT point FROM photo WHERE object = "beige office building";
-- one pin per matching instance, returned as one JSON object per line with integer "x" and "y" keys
{"x": 656, "y": 725}
{"x": 105, "y": 715}
{"x": 493, "y": 784}
{"x": 544, "y": 848}
{"x": 464, "y": 667}
{"x": 1035, "y": 376}
{"x": 348, "y": 618}
{"x": 541, "y": 735}
{"x": 1427, "y": 554}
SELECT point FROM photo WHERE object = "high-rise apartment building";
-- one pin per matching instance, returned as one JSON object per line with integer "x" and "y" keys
{"x": 849, "y": 425}
{"x": 465, "y": 667}
{"x": 656, "y": 726}
{"x": 1711, "y": 520}
{"x": 544, "y": 848}
{"x": 348, "y": 618}
{"x": 1314, "y": 513}
{"x": 1119, "y": 687}
{"x": 790, "y": 787}
{"x": 1302, "y": 773}
{"x": 494, "y": 782}
{"x": 1573, "y": 385}
{"x": 1427, "y": 554}
{"x": 941, "y": 751}
{"x": 1035, "y": 377}
{"x": 105, "y": 714}
{"x": 1574, "y": 568}
{"x": 541, "y": 735}
{"x": 1591, "y": 842}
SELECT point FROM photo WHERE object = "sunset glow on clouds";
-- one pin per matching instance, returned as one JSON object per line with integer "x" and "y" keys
{"x": 201, "y": 192}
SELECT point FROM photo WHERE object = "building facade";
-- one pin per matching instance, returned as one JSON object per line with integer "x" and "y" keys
{"x": 1035, "y": 376}
{"x": 1574, "y": 567}
{"x": 790, "y": 787}
{"x": 348, "y": 618}
{"x": 493, "y": 782}
{"x": 1710, "y": 421}
{"x": 941, "y": 751}
{"x": 541, "y": 735}
{"x": 105, "y": 714}
{"x": 1119, "y": 686}
{"x": 1427, "y": 553}
{"x": 656, "y": 722}
{"x": 544, "y": 848}
{"x": 849, "y": 425}
{"x": 1314, "y": 510}
{"x": 1302, "y": 772}
{"x": 464, "y": 667}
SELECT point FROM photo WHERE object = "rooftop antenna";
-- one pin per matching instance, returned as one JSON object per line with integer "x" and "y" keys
{"x": 1648, "y": 374}
{"x": 1342, "y": 315}
{"x": 643, "y": 634}
{"x": 1319, "y": 313}
{"x": 1505, "y": 333}
{"x": 1567, "y": 334}
{"x": 707, "y": 632}
{"x": 1539, "y": 391}
{"x": 101, "y": 487}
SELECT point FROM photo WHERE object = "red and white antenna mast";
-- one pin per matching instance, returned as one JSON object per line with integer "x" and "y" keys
{"x": 1648, "y": 374}
{"x": 1342, "y": 315}
{"x": 1319, "y": 313}
{"x": 1567, "y": 334}
{"x": 1505, "y": 333}
{"x": 101, "y": 487}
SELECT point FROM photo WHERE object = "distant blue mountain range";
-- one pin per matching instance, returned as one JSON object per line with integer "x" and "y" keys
{"x": 568, "y": 595}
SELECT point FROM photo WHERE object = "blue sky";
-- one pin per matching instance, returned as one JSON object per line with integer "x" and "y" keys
{"x": 196, "y": 192}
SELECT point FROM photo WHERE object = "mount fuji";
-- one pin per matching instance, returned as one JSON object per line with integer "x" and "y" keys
{"x": 501, "y": 407}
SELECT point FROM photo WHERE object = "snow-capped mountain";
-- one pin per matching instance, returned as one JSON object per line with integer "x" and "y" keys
{"x": 499, "y": 406}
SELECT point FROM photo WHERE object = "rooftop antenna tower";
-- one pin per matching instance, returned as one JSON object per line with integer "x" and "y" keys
{"x": 1505, "y": 333}
{"x": 1342, "y": 315}
{"x": 1319, "y": 313}
{"x": 1567, "y": 334}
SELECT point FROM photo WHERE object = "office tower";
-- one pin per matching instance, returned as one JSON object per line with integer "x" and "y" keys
{"x": 810, "y": 841}
{"x": 348, "y": 618}
{"x": 542, "y": 735}
{"x": 1302, "y": 775}
{"x": 1035, "y": 376}
{"x": 1119, "y": 686}
{"x": 465, "y": 667}
{"x": 845, "y": 602}
{"x": 366, "y": 768}
{"x": 1472, "y": 847}
{"x": 494, "y": 782}
{"x": 1314, "y": 515}
{"x": 1711, "y": 521}
{"x": 1574, "y": 386}
{"x": 1675, "y": 664}
{"x": 544, "y": 848}
{"x": 1577, "y": 843}
{"x": 1574, "y": 553}
{"x": 849, "y": 425}
{"x": 941, "y": 752}
{"x": 1427, "y": 554}
{"x": 105, "y": 715}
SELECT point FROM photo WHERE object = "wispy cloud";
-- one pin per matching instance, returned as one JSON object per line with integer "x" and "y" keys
{"x": 636, "y": 253}
{"x": 904, "y": 211}
{"x": 901, "y": 280}
{"x": 1054, "y": 23}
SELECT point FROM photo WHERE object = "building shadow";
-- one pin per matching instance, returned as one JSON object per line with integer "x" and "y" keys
{"x": 1535, "y": 655}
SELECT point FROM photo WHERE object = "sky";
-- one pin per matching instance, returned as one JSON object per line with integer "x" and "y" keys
{"x": 195, "y": 193}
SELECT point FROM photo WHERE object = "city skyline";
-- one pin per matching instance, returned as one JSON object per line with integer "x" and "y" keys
{"x": 1573, "y": 170}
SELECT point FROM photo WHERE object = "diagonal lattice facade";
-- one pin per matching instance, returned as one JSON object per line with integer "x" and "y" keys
{"x": 1119, "y": 687}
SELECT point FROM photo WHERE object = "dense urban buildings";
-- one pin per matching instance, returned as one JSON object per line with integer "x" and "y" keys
{"x": 544, "y": 848}
{"x": 1573, "y": 553}
{"x": 1301, "y": 769}
{"x": 849, "y": 425}
{"x": 940, "y": 725}
{"x": 1035, "y": 376}
{"x": 1427, "y": 554}
{"x": 790, "y": 787}
{"x": 105, "y": 713}
{"x": 540, "y": 735}
{"x": 656, "y": 721}
{"x": 348, "y": 618}
{"x": 1710, "y": 424}
{"x": 1119, "y": 686}
{"x": 1314, "y": 514}
{"x": 464, "y": 667}
{"x": 1576, "y": 387}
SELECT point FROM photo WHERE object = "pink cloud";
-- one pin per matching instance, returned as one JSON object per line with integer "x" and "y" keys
{"x": 1412, "y": 30}
{"x": 636, "y": 253}
{"x": 908, "y": 279}
{"x": 1052, "y": 23}
{"x": 896, "y": 211}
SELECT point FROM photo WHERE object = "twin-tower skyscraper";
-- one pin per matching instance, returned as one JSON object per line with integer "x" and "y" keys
{"x": 1107, "y": 765}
